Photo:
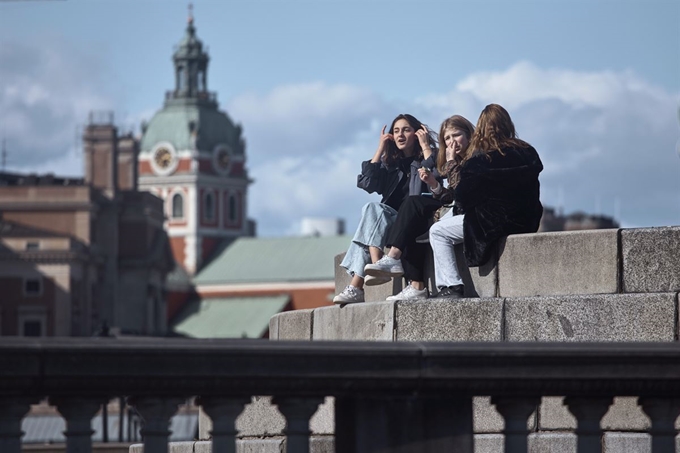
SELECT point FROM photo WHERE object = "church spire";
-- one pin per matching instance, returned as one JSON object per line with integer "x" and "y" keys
{"x": 191, "y": 65}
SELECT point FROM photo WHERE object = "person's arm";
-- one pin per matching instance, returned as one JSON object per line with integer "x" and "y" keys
{"x": 373, "y": 171}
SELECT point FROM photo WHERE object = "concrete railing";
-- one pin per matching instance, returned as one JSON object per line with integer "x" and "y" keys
{"x": 389, "y": 397}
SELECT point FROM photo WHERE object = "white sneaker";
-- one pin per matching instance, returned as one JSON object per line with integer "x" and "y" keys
{"x": 370, "y": 280}
{"x": 349, "y": 295}
{"x": 410, "y": 293}
{"x": 385, "y": 267}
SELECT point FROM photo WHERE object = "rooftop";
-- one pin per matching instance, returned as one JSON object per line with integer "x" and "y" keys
{"x": 268, "y": 260}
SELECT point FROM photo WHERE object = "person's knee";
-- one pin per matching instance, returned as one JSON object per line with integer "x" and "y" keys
{"x": 436, "y": 230}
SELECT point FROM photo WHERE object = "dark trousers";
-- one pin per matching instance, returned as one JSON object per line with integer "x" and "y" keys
{"x": 413, "y": 219}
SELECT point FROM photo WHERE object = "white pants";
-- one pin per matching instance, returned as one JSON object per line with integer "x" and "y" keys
{"x": 443, "y": 236}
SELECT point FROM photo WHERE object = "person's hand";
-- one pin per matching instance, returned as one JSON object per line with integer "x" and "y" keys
{"x": 450, "y": 153}
{"x": 383, "y": 144}
{"x": 423, "y": 138}
{"x": 427, "y": 177}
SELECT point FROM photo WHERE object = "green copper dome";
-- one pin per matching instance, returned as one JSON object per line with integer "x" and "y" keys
{"x": 190, "y": 118}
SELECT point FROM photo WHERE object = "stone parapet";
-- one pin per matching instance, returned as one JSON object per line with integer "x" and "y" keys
{"x": 597, "y": 317}
{"x": 611, "y": 261}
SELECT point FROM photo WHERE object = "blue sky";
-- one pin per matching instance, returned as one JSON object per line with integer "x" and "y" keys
{"x": 594, "y": 85}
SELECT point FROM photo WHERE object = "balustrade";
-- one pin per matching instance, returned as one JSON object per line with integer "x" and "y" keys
{"x": 389, "y": 397}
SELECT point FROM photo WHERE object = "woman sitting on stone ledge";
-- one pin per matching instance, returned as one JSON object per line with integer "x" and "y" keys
{"x": 392, "y": 173}
{"x": 497, "y": 194}
{"x": 406, "y": 256}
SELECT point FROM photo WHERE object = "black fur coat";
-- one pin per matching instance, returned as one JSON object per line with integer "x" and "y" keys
{"x": 499, "y": 196}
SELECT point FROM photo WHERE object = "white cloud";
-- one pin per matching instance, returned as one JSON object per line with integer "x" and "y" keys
{"x": 606, "y": 139}
{"x": 47, "y": 90}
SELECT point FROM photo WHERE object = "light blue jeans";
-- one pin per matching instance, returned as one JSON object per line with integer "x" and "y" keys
{"x": 375, "y": 223}
{"x": 443, "y": 236}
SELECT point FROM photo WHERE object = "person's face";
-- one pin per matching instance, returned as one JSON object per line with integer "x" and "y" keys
{"x": 455, "y": 141}
{"x": 404, "y": 135}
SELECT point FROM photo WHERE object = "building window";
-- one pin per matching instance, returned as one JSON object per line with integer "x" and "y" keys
{"x": 177, "y": 206}
{"x": 32, "y": 328}
{"x": 33, "y": 287}
{"x": 232, "y": 209}
{"x": 209, "y": 206}
{"x": 32, "y": 245}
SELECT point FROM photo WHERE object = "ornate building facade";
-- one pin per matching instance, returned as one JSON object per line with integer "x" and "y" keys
{"x": 193, "y": 157}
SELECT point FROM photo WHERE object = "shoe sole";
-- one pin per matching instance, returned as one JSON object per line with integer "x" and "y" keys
{"x": 343, "y": 302}
{"x": 382, "y": 273}
{"x": 376, "y": 281}
{"x": 410, "y": 298}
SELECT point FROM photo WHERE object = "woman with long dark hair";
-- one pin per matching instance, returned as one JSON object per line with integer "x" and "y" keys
{"x": 393, "y": 172}
{"x": 406, "y": 256}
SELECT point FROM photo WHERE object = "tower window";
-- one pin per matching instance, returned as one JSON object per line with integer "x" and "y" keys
{"x": 232, "y": 209}
{"x": 209, "y": 206}
{"x": 177, "y": 206}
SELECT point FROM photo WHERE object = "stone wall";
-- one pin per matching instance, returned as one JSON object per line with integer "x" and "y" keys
{"x": 600, "y": 285}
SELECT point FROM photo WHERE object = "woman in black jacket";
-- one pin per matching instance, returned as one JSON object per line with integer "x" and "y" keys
{"x": 497, "y": 195}
{"x": 405, "y": 255}
{"x": 393, "y": 172}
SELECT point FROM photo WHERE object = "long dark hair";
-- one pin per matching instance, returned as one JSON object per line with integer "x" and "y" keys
{"x": 495, "y": 131}
{"x": 393, "y": 153}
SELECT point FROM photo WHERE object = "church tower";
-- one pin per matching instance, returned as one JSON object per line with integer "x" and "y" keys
{"x": 193, "y": 157}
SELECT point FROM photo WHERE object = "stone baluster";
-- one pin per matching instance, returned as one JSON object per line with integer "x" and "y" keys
{"x": 156, "y": 413}
{"x": 662, "y": 412}
{"x": 78, "y": 413}
{"x": 297, "y": 411}
{"x": 588, "y": 413}
{"x": 223, "y": 413}
{"x": 12, "y": 411}
{"x": 516, "y": 412}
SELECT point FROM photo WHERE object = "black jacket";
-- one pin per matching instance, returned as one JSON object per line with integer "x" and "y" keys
{"x": 499, "y": 197}
{"x": 384, "y": 179}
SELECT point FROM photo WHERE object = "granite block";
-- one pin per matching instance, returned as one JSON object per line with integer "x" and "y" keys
{"x": 614, "y": 442}
{"x": 480, "y": 281}
{"x": 486, "y": 418}
{"x": 552, "y": 443}
{"x": 323, "y": 420}
{"x": 260, "y": 418}
{"x": 650, "y": 259}
{"x": 554, "y": 415}
{"x": 489, "y": 443}
{"x": 623, "y": 415}
{"x": 604, "y": 317}
{"x": 270, "y": 445}
{"x": 449, "y": 320}
{"x": 326, "y": 323}
{"x": 366, "y": 321}
{"x": 291, "y": 325}
{"x": 571, "y": 262}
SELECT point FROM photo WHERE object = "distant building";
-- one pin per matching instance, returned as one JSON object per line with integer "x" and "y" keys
{"x": 553, "y": 221}
{"x": 83, "y": 255}
{"x": 192, "y": 156}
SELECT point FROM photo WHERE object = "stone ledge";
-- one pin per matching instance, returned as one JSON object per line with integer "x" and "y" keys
{"x": 605, "y": 317}
{"x": 572, "y": 262}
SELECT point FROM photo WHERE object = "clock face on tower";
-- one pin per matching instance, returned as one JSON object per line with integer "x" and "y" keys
{"x": 222, "y": 159}
{"x": 164, "y": 159}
